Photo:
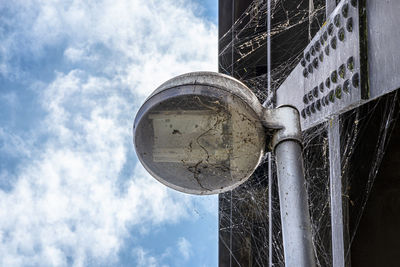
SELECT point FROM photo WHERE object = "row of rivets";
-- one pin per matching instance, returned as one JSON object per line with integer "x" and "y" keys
{"x": 318, "y": 45}
{"x": 333, "y": 78}
{"x": 330, "y": 97}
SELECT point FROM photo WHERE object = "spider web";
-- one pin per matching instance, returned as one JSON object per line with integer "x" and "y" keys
{"x": 249, "y": 216}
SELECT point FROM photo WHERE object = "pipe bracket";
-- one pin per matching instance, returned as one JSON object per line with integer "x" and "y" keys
{"x": 283, "y": 123}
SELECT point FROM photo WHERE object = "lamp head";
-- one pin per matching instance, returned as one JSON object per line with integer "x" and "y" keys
{"x": 200, "y": 133}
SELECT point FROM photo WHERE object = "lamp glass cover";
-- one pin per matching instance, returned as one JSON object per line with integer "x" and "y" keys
{"x": 198, "y": 139}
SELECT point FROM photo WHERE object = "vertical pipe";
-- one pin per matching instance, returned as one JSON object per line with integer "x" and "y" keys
{"x": 336, "y": 193}
{"x": 233, "y": 37}
{"x": 269, "y": 47}
{"x": 232, "y": 68}
{"x": 270, "y": 246}
{"x": 295, "y": 216}
{"x": 230, "y": 232}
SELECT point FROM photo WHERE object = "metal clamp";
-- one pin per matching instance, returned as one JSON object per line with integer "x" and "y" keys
{"x": 284, "y": 122}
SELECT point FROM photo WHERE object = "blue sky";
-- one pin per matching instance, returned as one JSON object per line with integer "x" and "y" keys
{"x": 73, "y": 74}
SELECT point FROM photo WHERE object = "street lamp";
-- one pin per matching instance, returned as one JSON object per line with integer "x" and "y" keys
{"x": 205, "y": 133}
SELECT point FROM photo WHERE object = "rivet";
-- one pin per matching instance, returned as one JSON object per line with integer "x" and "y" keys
{"x": 342, "y": 71}
{"x": 328, "y": 82}
{"x": 317, "y": 46}
{"x": 338, "y": 92}
{"x": 315, "y": 63}
{"x": 333, "y": 42}
{"x": 313, "y": 108}
{"x": 310, "y": 68}
{"x": 318, "y": 104}
{"x": 312, "y": 50}
{"x": 303, "y": 113}
{"x": 345, "y": 10}
{"x": 355, "y": 80}
{"x": 341, "y": 34}
{"x": 330, "y": 29}
{"x": 305, "y": 73}
{"x": 321, "y": 57}
{"x": 346, "y": 86}
{"x": 334, "y": 76}
{"x": 336, "y": 20}
{"x": 307, "y": 56}
{"x": 310, "y": 96}
{"x": 332, "y": 96}
{"x": 349, "y": 24}
{"x": 305, "y": 99}
{"x": 327, "y": 50}
{"x": 308, "y": 111}
{"x": 326, "y": 100}
{"x": 350, "y": 63}
{"x": 315, "y": 91}
{"x": 303, "y": 62}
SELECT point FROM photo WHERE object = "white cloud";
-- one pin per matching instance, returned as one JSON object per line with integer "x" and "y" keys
{"x": 145, "y": 259}
{"x": 185, "y": 248}
{"x": 66, "y": 202}
{"x": 79, "y": 55}
{"x": 66, "y": 207}
{"x": 143, "y": 42}
{"x": 179, "y": 254}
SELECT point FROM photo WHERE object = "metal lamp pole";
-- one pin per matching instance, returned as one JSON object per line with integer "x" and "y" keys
{"x": 295, "y": 215}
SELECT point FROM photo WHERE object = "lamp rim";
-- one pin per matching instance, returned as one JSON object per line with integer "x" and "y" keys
{"x": 211, "y": 81}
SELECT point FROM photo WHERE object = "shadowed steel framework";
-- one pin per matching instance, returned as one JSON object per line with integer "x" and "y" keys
{"x": 337, "y": 62}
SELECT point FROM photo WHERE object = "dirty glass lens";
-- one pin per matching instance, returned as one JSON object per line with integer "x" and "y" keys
{"x": 199, "y": 143}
